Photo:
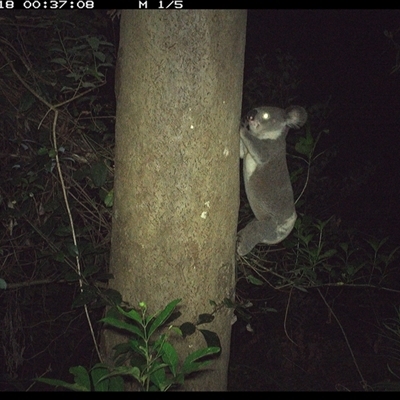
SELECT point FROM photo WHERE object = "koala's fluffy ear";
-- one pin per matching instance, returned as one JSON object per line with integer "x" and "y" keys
{"x": 296, "y": 117}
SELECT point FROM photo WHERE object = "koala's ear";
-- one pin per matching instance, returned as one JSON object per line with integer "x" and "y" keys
{"x": 296, "y": 116}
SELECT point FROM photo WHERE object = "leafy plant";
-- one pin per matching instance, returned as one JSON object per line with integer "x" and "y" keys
{"x": 97, "y": 379}
{"x": 153, "y": 361}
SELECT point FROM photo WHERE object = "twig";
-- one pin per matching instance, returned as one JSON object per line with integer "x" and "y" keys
{"x": 286, "y": 316}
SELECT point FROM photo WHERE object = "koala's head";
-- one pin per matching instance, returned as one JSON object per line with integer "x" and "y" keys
{"x": 270, "y": 122}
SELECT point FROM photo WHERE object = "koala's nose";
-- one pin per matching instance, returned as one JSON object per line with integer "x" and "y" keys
{"x": 251, "y": 114}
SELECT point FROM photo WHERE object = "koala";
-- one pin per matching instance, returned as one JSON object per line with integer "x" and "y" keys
{"x": 266, "y": 176}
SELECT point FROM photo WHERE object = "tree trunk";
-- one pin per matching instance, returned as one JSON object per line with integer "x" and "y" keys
{"x": 179, "y": 88}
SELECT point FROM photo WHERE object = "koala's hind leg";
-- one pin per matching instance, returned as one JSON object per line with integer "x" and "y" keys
{"x": 267, "y": 231}
{"x": 255, "y": 232}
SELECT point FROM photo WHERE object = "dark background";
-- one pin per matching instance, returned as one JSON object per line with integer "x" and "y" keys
{"x": 345, "y": 56}
{"x": 345, "y": 62}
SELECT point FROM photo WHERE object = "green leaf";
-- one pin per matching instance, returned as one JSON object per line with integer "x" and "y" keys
{"x": 155, "y": 366}
{"x": 131, "y": 314}
{"x": 123, "y": 325}
{"x": 109, "y": 199}
{"x": 160, "y": 380}
{"x": 97, "y": 373}
{"x": 255, "y": 281}
{"x": 3, "y": 284}
{"x": 170, "y": 357}
{"x": 131, "y": 371}
{"x": 190, "y": 365}
{"x": 163, "y": 316}
{"x": 81, "y": 376}
{"x": 196, "y": 355}
{"x": 104, "y": 383}
{"x": 57, "y": 382}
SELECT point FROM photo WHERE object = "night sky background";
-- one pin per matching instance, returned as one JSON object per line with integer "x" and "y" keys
{"x": 344, "y": 56}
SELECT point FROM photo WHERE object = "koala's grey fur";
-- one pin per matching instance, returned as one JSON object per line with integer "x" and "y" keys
{"x": 266, "y": 176}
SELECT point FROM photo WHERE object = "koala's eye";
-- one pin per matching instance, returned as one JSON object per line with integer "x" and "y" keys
{"x": 266, "y": 116}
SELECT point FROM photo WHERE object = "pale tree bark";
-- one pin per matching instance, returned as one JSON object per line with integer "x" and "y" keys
{"x": 179, "y": 87}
